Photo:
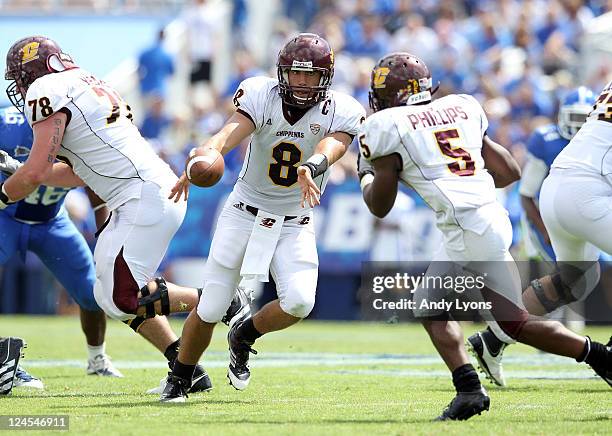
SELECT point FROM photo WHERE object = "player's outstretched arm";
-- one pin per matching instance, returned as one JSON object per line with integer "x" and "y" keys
{"x": 328, "y": 150}
{"x": 229, "y": 137}
{"x": 500, "y": 163}
{"x": 380, "y": 190}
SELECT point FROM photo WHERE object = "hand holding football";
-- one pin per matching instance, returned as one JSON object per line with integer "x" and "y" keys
{"x": 204, "y": 167}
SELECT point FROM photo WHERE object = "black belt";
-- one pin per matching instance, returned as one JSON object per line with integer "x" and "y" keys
{"x": 254, "y": 211}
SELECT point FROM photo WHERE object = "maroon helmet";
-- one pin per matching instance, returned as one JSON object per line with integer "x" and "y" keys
{"x": 305, "y": 52}
{"x": 399, "y": 79}
{"x": 31, "y": 58}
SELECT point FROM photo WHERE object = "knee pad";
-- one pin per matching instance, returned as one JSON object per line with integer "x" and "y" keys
{"x": 147, "y": 299}
{"x": 570, "y": 283}
{"x": 579, "y": 280}
{"x": 135, "y": 323}
{"x": 215, "y": 299}
{"x": 299, "y": 305}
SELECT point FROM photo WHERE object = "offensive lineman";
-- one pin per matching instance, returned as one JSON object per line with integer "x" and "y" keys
{"x": 83, "y": 122}
{"x": 543, "y": 147}
{"x": 299, "y": 129}
{"x": 441, "y": 149}
{"x": 41, "y": 224}
{"x": 575, "y": 206}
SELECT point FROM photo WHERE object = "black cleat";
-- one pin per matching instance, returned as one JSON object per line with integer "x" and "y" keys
{"x": 10, "y": 352}
{"x": 465, "y": 405}
{"x": 606, "y": 373}
{"x": 175, "y": 390}
{"x": 238, "y": 373}
{"x": 240, "y": 308}
{"x": 199, "y": 383}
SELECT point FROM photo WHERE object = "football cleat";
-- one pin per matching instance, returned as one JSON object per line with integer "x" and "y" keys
{"x": 199, "y": 383}
{"x": 465, "y": 405}
{"x": 101, "y": 365}
{"x": 606, "y": 373}
{"x": 175, "y": 390}
{"x": 240, "y": 308}
{"x": 488, "y": 362}
{"x": 238, "y": 372}
{"x": 25, "y": 380}
{"x": 11, "y": 350}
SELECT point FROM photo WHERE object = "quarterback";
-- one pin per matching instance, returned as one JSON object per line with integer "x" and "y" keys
{"x": 299, "y": 128}
{"x": 440, "y": 148}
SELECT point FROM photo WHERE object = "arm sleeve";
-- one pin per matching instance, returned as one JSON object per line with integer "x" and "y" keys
{"x": 532, "y": 177}
{"x": 45, "y": 96}
{"x": 250, "y": 98}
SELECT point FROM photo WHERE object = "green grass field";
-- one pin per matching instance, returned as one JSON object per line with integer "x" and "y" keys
{"x": 314, "y": 378}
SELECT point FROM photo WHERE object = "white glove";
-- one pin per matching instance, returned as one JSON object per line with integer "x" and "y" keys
{"x": 8, "y": 164}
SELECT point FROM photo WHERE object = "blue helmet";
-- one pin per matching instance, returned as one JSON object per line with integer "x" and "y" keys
{"x": 573, "y": 110}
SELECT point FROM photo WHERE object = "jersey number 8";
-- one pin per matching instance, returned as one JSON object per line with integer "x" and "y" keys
{"x": 283, "y": 171}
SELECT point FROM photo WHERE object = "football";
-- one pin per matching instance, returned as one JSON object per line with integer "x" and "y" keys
{"x": 204, "y": 167}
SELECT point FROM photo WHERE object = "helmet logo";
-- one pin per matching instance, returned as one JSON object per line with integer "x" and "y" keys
{"x": 331, "y": 56}
{"x": 29, "y": 52}
{"x": 380, "y": 75}
{"x": 413, "y": 86}
{"x": 299, "y": 65}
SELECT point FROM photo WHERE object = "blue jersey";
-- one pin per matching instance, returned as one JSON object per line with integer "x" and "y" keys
{"x": 546, "y": 143}
{"x": 16, "y": 139}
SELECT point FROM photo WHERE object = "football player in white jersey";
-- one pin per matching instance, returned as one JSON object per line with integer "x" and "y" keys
{"x": 440, "y": 149}
{"x": 577, "y": 212}
{"x": 83, "y": 122}
{"x": 299, "y": 128}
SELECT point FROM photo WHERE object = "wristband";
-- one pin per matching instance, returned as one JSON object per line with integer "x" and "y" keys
{"x": 317, "y": 164}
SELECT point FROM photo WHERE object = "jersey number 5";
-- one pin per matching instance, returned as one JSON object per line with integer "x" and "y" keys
{"x": 463, "y": 165}
{"x": 284, "y": 171}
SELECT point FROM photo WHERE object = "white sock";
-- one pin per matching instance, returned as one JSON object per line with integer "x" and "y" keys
{"x": 96, "y": 350}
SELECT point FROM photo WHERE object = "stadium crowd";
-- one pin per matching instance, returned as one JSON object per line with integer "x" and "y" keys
{"x": 516, "y": 57}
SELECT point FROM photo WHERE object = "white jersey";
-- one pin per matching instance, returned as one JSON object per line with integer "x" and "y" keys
{"x": 101, "y": 144}
{"x": 268, "y": 179}
{"x": 590, "y": 149}
{"x": 440, "y": 146}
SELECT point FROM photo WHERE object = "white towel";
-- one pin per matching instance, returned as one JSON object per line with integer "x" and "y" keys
{"x": 261, "y": 246}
